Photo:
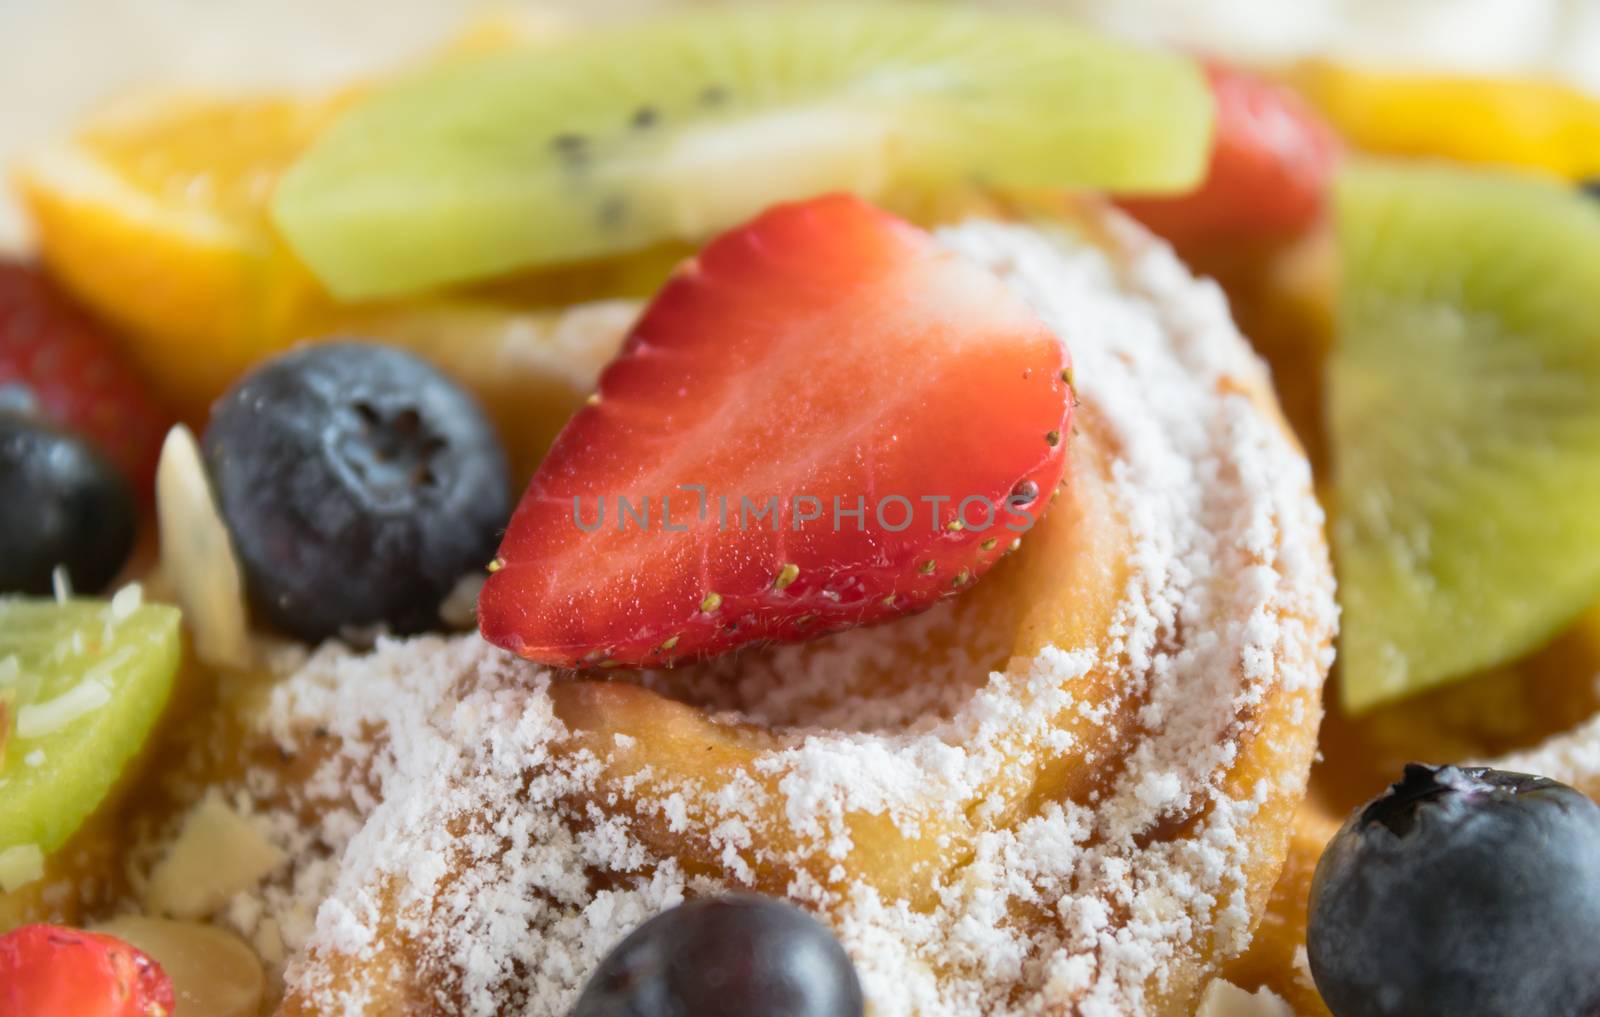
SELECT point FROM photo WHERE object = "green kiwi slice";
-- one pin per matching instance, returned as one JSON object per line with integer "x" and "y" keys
{"x": 1464, "y": 396}
{"x": 81, "y": 685}
{"x": 678, "y": 128}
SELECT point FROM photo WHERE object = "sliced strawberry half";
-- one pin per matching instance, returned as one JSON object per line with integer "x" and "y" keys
{"x": 824, "y": 358}
{"x": 57, "y": 363}
{"x": 50, "y": 971}
{"x": 1271, "y": 169}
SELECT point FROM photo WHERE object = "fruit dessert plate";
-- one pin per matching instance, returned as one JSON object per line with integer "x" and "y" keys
{"x": 917, "y": 603}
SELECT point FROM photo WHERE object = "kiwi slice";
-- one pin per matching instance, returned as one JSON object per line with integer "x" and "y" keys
{"x": 82, "y": 683}
{"x": 678, "y": 128}
{"x": 1464, "y": 394}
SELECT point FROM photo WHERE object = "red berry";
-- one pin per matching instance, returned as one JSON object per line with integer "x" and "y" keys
{"x": 825, "y": 350}
{"x": 1271, "y": 168}
{"x": 73, "y": 375}
{"x": 50, "y": 971}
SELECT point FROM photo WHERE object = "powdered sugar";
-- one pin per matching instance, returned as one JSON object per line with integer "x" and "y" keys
{"x": 470, "y": 849}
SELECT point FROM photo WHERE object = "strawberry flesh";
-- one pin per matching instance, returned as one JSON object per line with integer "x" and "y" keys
{"x": 50, "y": 971}
{"x": 57, "y": 363}
{"x": 825, "y": 357}
{"x": 1272, "y": 164}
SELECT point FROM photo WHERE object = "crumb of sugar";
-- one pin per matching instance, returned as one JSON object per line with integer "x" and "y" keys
{"x": 451, "y": 806}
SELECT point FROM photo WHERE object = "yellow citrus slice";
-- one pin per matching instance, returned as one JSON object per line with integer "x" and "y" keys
{"x": 1529, "y": 123}
{"x": 153, "y": 215}
{"x": 156, "y": 219}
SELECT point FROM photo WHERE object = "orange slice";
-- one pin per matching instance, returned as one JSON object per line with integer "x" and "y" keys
{"x": 1541, "y": 125}
{"x": 152, "y": 215}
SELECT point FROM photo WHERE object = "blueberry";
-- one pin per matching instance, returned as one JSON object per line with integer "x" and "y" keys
{"x": 63, "y": 503}
{"x": 1591, "y": 187}
{"x": 1461, "y": 893}
{"x": 359, "y": 485}
{"x": 735, "y": 956}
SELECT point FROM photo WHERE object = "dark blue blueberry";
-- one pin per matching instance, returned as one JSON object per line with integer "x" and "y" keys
{"x": 359, "y": 485}
{"x": 734, "y": 956}
{"x": 61, "y": 503}
{"x": 1461, "y": 893}
{"x": 1591, "y": 187}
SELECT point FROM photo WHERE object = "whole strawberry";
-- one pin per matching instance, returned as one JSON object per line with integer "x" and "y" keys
{"x": 58, "y": 364}
{"x": 50, "y": 971}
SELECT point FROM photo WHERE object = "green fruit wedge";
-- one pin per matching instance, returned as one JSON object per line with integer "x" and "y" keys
{"x": 681, "y": 127}
{"x": 1465, "y": 420}
{"x": 83, "y": 683}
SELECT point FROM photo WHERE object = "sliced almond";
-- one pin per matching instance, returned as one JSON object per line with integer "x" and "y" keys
{"x": 217, "y": 854}
{"x": 197, "y": 555}
{"x": 213, "y": 972}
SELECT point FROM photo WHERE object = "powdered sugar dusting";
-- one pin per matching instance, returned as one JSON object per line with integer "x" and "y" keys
{"x": 461, "y": 841}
